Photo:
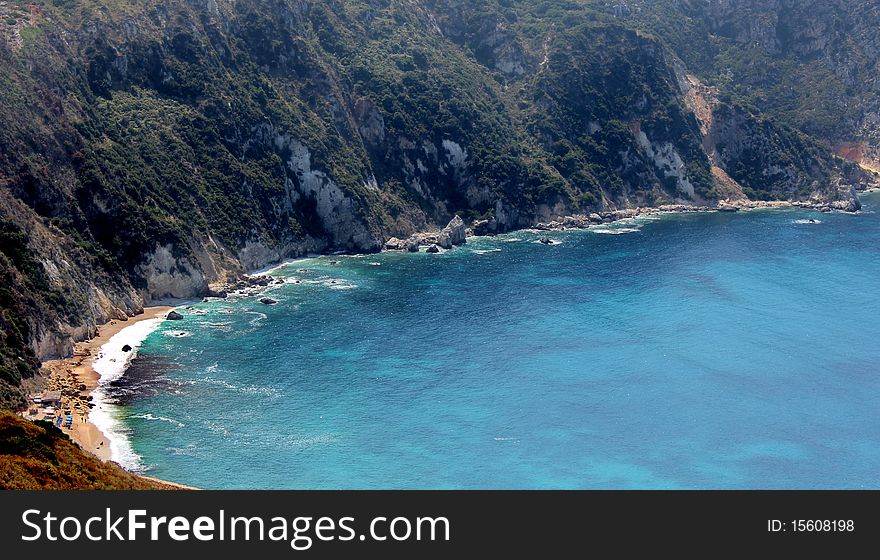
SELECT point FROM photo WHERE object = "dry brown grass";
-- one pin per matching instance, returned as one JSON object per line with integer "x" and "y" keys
{"x": 37, "y": 456}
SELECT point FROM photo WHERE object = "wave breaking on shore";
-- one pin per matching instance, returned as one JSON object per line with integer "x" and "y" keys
{"x": 110, "y": 365}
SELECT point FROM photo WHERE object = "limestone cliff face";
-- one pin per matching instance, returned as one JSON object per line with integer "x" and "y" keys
{"x": 752, "y": 156}
{"x": 336, "y": 210}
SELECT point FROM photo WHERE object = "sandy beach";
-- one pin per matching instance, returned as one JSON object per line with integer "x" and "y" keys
{"x": 76, "y": 379}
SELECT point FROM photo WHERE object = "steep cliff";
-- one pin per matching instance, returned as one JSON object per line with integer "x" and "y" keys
{"x": 812, "y": 64}
{"x": 153, "y": 148}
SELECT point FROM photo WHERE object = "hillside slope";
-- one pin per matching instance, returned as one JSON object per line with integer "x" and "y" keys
{"x": 153, "y": 148}
{"x": 37, "y": 456}
{"x": 812, "y": 64}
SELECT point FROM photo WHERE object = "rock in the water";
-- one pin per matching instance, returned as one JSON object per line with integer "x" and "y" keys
{"x": 444, "y": 240}
{"x": 174, "y": 316}
{"x": 847, "y": 205}
{"x": 394, "y": 244}
{"x": 268, "y": 301}
{"x": 546, "y": 241}
{"x": 433, "y": 249}
{"x": 412, "y": 244}
{"x": 126, "y": 348}
{"x": 454, "y": 233}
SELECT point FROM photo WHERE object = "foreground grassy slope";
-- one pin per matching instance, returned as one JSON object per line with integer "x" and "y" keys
{"x": 36, "y": 456}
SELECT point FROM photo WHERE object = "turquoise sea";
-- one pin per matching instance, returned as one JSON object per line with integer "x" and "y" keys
{"x": 681, "y": 351}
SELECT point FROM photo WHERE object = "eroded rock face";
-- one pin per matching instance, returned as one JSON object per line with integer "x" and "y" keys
{"x": 668, "y": 162}
{"x": 453, "y": 234}
{"x": 843, "y": 197}
{"x": 412, "y": 244}
{"x": 170, "y": 275}
{"x": 335, "y": 208}
{"x": 371, "y": 124}
{"x": 258, "y": 254}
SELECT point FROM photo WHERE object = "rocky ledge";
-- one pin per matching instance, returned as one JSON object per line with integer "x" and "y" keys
{"x": 586, "y": 220}
{"x": 455, "y": 233}
{"x": 251, "y": 285}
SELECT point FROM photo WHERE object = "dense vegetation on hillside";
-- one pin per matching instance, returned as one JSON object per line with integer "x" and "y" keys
{"x": 812, "y": 64}
{"x": 151, "y": 148}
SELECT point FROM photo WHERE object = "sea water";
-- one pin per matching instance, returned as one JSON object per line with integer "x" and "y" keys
{"x": 678, "y": 351}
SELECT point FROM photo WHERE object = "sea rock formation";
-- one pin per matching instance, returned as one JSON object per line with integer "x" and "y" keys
{"x": 453, "y": 234}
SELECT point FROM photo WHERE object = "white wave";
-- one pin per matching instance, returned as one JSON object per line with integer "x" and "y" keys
{"x": 110, "y": 365}
{"x": 148, "y": 416}
{"x": 808, "y": 221}
{"x": 190, "y": 449}
{"x": 375, "y": 264}
{"x": 177, "y": 334}
{"x": 486, "y": 251}
{"x": 343, "y": 286}
{"x": 224, "y": 326}
{"x": 267, "y": 271}
{"x": 218, "y": 429}
{"x": 245, "y": 389}
{"x": 614, "y": 231}
{"x": 259, "y": 317}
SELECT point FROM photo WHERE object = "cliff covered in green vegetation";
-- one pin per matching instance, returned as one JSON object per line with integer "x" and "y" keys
{"x": 152, "y": 148}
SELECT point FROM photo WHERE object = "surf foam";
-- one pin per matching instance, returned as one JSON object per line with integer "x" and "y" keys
{"x": 110, "y": 365}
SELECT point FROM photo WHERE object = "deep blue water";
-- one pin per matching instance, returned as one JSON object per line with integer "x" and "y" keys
{"x": 692, "y": 351}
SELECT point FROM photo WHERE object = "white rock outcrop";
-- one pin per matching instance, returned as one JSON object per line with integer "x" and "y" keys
{"x": 453, "y": 234}
{"x": 170, "y": 276}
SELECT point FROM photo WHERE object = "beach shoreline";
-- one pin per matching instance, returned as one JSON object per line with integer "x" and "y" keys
{"x": 77, "y": 376}
{"x": 77, "y": 379}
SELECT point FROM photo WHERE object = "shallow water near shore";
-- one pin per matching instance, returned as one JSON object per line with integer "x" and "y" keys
{"x": 681, "y": 351}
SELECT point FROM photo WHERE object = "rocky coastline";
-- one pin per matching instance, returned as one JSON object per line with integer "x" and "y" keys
{"x": 75, "y": 379}
{"x": 456, "y": 232}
